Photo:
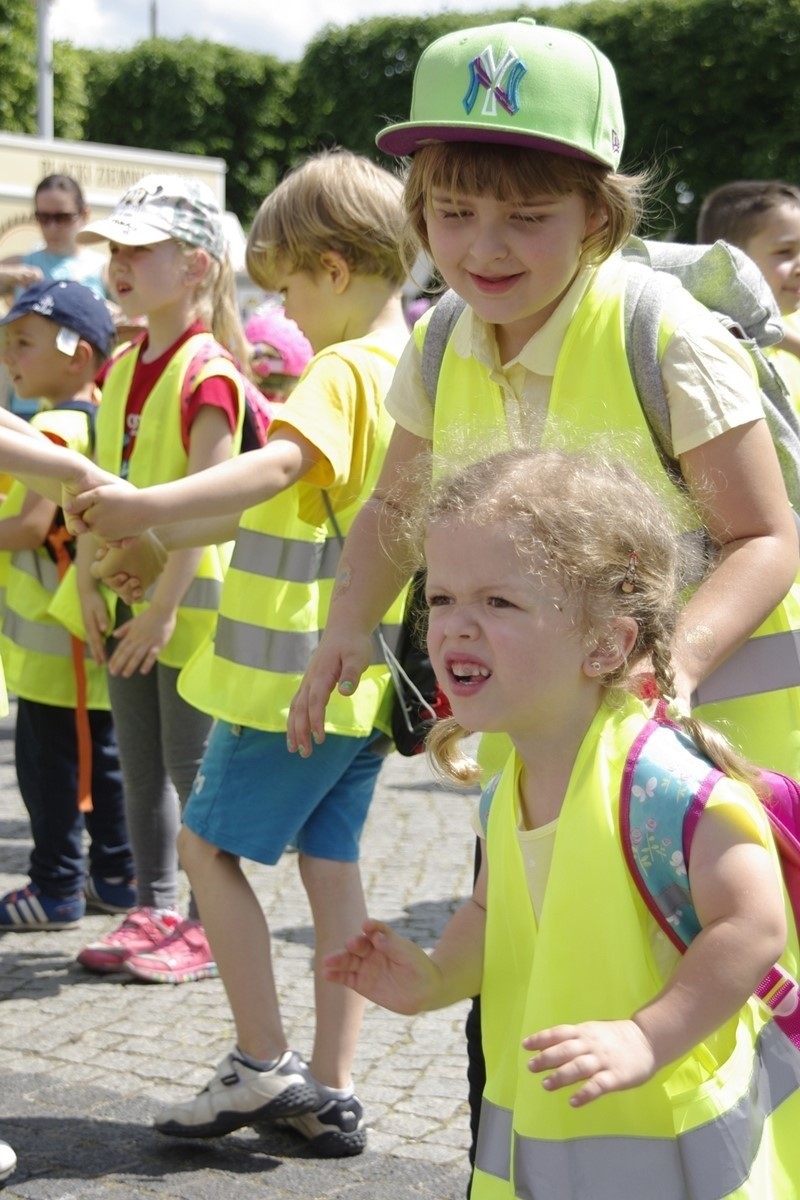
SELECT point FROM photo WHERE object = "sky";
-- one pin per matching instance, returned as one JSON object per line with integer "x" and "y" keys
{"x": 267, "y": 26}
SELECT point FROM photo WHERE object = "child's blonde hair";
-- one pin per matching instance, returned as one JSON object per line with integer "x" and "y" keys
{"x": 217, "y": 305}
{"x": 515, "y": 174}
{"x": 335, "y": 201}
{"x": 580, "y": 518}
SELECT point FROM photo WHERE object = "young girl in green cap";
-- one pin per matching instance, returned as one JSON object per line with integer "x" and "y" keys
{"x": 512, "y": 186}
{"x": 514, "y": 143}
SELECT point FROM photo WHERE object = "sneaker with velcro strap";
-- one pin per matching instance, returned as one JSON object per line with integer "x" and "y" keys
{"x": 8, "y": 1161}
{"x": 335, "y": 1129}
{"x": 240, "y": 1094}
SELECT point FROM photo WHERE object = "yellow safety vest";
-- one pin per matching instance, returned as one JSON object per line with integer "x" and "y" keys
{"x": 159, "y": 457}
{"x": 277, "y": 593}
{"x": 37, "y": 648}
{"x": 755, "y": 695}
{"x": 788, "y": 367}
{"x": 721, "y": 1122}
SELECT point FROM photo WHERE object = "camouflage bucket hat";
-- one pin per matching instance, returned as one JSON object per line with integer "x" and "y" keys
{"x": 160, "y": 207}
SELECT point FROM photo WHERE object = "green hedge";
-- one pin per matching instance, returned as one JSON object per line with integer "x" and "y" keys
{"x": 711, "y": 89}
{"x": 195, "y": 97}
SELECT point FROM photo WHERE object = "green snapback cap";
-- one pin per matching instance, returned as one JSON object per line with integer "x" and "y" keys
{"x": 518, "y": 84}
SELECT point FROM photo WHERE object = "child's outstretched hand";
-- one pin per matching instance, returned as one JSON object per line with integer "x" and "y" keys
{"x": 608, "y": 1055}
{"x": 384, "y": 967}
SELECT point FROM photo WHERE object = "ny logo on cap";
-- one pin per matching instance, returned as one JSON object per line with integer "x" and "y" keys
{"x": 44, "y": 306}
{"x": 501, "y": 81}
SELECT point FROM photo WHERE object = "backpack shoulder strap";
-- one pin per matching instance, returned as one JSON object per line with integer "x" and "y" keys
{"x": 646, "y": 293}
{"x": 445, "y": 313}
{"x": 485, "y": 802}
{"x": 665, "y": 785}
{"x": 89, "y": 409}
{"x": 258, "y": 412}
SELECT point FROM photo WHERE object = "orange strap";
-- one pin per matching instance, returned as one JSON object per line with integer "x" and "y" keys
{"x": 57, "y": 539}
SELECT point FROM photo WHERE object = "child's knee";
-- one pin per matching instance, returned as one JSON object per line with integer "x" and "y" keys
{"x": 194, "y": 851}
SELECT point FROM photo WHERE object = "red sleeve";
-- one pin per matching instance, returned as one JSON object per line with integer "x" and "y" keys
{"x": 219, "y": 392}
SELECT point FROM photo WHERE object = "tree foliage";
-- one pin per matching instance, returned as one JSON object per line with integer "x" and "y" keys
{"x": 18, "y": 72}
{"x": 195, "y": 97}
{"x": 711, "y": 89}
{"x": 18, "y": 66}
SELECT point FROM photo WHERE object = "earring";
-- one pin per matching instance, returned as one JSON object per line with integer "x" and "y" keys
{"x": 595, "y": 666}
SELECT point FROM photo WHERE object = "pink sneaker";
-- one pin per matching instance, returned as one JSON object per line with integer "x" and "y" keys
{"x": 183, "y": 957}
{"x": 141, "y": 930}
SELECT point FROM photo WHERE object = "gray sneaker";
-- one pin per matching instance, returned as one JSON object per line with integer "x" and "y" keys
{"x": 238, "y": 1095}
{"x": 335, "y": 1129}
{"x": 8, "y": 1160}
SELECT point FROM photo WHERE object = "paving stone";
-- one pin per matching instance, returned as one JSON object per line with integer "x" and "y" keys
{"x": 86, "y": 1059}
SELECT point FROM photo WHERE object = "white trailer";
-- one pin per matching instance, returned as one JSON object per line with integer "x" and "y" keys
{"x": 103, "y": 172}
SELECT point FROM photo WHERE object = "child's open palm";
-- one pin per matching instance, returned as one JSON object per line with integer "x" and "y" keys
{"x": 607, "y": 1056}
{"x": 140, "y": 641}
{"x": 384, "y": 967}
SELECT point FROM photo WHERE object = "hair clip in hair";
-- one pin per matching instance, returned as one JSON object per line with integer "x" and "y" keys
{"x": 628, "y": 584}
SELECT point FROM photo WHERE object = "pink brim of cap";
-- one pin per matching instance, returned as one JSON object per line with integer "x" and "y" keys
{"x": 403, "y": 141}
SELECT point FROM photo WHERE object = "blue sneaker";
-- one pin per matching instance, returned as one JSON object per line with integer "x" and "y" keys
{"x": 110, "y": 895}
{"x": 29, "y": 909}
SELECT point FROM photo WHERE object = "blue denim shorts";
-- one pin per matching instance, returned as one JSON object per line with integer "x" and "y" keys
{"x": 253, "y": 798}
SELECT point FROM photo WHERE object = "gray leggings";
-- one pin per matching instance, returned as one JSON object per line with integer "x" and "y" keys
{"x": 161, "y": 741}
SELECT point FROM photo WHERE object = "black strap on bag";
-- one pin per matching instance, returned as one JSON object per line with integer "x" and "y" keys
{"x": 418, "y": 699}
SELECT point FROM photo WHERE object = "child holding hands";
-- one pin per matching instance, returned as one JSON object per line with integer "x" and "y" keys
{"x": 169, "y": 262}
{"x": 55, "y": 339}
{"x": 328, "y": 238}
{"x": 610, "y": 1058}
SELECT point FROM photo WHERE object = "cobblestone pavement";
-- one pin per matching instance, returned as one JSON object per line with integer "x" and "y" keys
{"x": 84, "y": 1060}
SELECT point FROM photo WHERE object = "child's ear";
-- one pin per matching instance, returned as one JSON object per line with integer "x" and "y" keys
{"x": 196, "y": 265}
{"x": 336, "y": 267}
{"x": 596, "y": 219}
{"x": 615, "y": 648}
{"x": 83, "y": 356}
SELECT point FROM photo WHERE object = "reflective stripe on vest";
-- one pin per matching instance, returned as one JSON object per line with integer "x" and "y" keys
{"x": 202, "y": 593}
{"x": 285, "y": 653}
{"x": 35, "y": 635}
{"x": 289, "y": 559}
{"x": 764, "y": 664}
{"x": 701, "y": 1156}
{"x": 42, "y": 569}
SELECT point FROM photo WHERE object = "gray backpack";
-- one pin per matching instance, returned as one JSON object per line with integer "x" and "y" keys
{"x": 722, "y": 278}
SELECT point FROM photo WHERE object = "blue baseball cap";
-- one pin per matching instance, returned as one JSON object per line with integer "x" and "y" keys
{"x": 71, "y": 305}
